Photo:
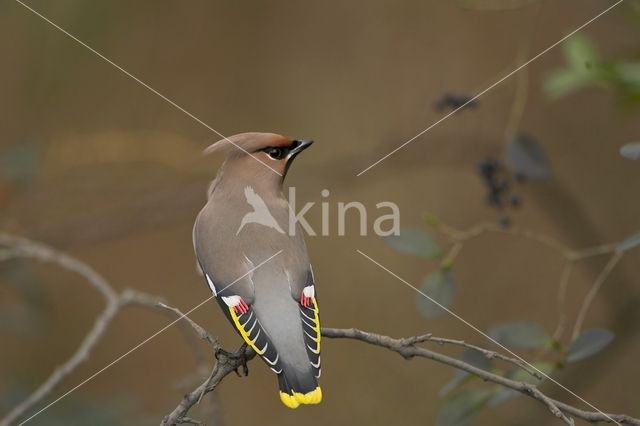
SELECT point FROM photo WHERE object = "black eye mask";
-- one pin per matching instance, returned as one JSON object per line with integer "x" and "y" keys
{"x": 277, "y": 153}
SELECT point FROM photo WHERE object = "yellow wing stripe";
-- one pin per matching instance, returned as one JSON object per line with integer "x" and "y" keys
{"x": 243, "y": 332}
{"x": 316, "y": 323}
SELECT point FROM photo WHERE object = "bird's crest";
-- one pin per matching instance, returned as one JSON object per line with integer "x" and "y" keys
{"x": 248, "y": 142}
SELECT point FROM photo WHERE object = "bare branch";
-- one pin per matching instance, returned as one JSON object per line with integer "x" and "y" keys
{"x": 201, "y": 332}
{"x": 407, "y": 348}
{"x": 226, "y": 363}
{"x": 14, "y": 247}
{"x": 487, "y": 353}
{"x": 30, "y": 249}
{"x": 408, "y": 351}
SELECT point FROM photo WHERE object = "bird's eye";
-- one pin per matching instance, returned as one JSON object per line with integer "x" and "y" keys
{"x": 276, "y": 153}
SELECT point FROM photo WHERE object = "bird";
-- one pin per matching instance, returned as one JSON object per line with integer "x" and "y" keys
{"x": 260, "y": 275}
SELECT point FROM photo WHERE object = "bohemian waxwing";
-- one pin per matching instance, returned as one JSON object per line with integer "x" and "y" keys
{"x": 246, "y": 221}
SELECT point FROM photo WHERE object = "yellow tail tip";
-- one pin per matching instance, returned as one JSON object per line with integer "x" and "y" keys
{"x": 289, "y": 400}
{"x": 294, "y": 400}
{"x": 313, "y": 397}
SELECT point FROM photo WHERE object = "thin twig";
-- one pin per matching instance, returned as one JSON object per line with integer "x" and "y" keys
{"x": 452, "y": 254}
{"x": 201, "y": 332}
{"x": 562, "y": 297}
{"x": 522, "y": 79}
{"x": 487, "y": 353}
{"x": 475, "y": 231}
{"x": 604, "y": 274}
{"x": 594, "y": 251}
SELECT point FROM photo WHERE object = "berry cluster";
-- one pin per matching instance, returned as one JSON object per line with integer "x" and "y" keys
{"x": 499, "y": 188}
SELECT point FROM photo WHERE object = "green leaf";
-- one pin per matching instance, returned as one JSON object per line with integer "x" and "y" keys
{"x": 462, "y": 407}
{"x": 470, "y": 356}
{"x": 584, "y": 68}
{"x": 21, "y": 162}
{"x": 439, "y": 286}
{"x": 519, "y": 375}
{"x": 631, "y": 151}
{"x": 588, "y": 343}
{"x": 415, "y": 242}
{"x": 628, "y": 72}
{"x": 503, "y": 394}
{"x": 565, "y": 81}
{"x": 431, "y": 219}
{"x": 460, "y": 377}
{"x": 628, "y": 243}
{"x": 523, "y": 335}
{"x": 477, "y": 359}
{"x": 581, "y": 54}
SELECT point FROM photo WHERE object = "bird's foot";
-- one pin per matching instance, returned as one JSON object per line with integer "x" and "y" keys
{"x": 239, "y": 358}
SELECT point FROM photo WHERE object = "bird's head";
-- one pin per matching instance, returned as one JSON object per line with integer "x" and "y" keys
{"x": 259, "y": 155}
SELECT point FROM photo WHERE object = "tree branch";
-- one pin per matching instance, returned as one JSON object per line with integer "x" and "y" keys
{"x": 408, "y": 351}
{"x": 407, "y": 348}
{"x": 226, "y": 363}
{"x": 231, "y": 362}
{"x": 487, "y": 353}
{"x": 14, "y": 247}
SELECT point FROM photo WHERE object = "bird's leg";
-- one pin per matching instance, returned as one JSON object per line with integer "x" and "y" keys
{"x": 239, "y": 355}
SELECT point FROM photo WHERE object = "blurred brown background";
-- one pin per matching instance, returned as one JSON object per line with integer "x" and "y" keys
{"x": 113, "y": 174}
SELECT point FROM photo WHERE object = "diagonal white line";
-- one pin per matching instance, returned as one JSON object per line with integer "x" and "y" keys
{"x": 486, "y": 335}
{"x": 491, "y": 87}
{"x": 142, "y": 83}
{"x": 250, "y": 271}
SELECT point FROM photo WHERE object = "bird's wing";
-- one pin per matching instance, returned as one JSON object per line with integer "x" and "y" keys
{"x": 236, "y": 304}
{"x": 304, "y": 291}
{"x": 248, "y": 325}
{"x": 310, "y": 317}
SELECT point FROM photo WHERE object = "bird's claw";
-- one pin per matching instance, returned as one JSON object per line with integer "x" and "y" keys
{"x": 239, "y": 356}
